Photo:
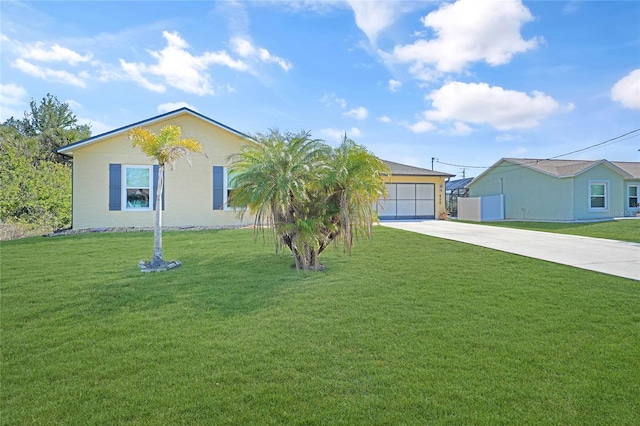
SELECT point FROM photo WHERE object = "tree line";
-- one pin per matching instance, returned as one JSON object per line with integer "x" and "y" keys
{"x": 35, "y": 181}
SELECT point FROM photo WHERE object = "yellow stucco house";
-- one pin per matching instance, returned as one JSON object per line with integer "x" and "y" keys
{"x": 113, "y": 182}
{"x": 414, "y": 193}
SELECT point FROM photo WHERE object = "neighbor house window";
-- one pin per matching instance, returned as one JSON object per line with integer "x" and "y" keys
{"x": 137, "y": 188}
{"x": 598, "y": 194}
{"x": 632, "y": 196}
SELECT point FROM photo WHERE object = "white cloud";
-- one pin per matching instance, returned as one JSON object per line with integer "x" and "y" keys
{"x": 53, "y": 53}
{"x": 384, "y": 119}
{"x": 627, "y": 90}
{"x": 12, "y": 94}
{"x": 49, "y": 74}
{"x": 172, "y": 106}
{"x": 374, "y": 16}
{"x": 479, "y": 103}
{"x": 329, "y": 99}
{"x": 134, "y": 72}
{"x": 177, "y": 67}
{"x": 394, "y": 85}
{"x": 244, "y": 48}
{"x": 44, "y": 52}
{"x": 421, "y": 126}
{"x": 460, "y": 129}
{"x": 466, "y": 31}
{"x": 12, "y": 99}
{"x": 359, "y": 113}
{"x": 338, "y": 134}
{"x": 97, "y": 127}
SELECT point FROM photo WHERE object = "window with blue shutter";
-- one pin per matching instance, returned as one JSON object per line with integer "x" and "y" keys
{"x": 130, "y": 189}
{"x": 115, "y": 186}
{"x": 218, "y": 187}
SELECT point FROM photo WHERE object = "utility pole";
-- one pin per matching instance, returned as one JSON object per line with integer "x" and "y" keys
{"x": 463, "y": 173}
{"x": 432, "y": 160}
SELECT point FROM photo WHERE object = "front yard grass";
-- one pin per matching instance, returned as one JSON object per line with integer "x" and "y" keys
{"x": 621, "y": 230}
{"x": 409, "y": 329}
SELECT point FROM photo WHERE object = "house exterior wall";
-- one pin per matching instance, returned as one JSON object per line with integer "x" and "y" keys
{"x": 533, "y": 195}
{"x": 528, "y": 195}
{"x": 615, "y": 197}
{"x": 188, "y": 190}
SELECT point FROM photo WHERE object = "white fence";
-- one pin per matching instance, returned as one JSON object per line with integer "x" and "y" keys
{"x": 480, "y": 209}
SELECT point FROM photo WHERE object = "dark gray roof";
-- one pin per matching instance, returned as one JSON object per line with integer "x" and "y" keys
{"x": 398, "y": 169}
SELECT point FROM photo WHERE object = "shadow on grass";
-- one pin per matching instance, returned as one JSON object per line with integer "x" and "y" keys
{"x": 221, "y": 284}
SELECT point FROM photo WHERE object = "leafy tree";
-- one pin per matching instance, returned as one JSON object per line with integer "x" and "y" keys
{"x": 39, "y": 197}
{"x": 310, "y": 194}
{"x": 166, "y": 148}
{"x": 52, "y": 125}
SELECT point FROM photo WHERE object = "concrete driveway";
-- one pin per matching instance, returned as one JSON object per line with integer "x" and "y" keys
{"x": 607, "y": 256}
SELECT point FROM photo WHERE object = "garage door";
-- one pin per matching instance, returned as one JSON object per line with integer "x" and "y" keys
{"x": 408, "y": 201}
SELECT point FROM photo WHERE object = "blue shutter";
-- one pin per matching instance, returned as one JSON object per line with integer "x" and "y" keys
{"x": 115, "y": 187}
{"x": 218, "y": 187}
{"x": 156, "y": 169}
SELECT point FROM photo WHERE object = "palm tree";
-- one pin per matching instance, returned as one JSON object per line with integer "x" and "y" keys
{"x": 310, "y": 194}
{"x": 166, "y": 148}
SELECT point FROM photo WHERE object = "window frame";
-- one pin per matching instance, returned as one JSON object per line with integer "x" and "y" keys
{"x": 605, "y": 196}
{"x": 637, "y": 196}
{"x": 226, "y": 189}
{"x": 124, "y": 187}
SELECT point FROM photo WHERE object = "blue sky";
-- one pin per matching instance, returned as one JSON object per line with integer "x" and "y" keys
{"x": 465, "y": 82}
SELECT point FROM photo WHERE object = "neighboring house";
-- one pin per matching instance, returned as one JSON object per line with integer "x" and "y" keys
{"x": 114, "y": 183}
{"x": 562, "y": 190}
{"x": 414, "y": 193}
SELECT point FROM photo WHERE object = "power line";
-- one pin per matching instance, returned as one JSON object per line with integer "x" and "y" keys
{"x": 598, "y": 144}
{"x": 608, "y": 141}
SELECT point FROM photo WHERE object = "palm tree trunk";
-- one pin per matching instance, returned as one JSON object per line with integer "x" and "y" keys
{"x": 157, "y": 229}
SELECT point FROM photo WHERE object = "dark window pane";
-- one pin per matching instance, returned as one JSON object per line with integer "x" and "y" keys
{"x": 138, "y": 198}
{"x": 597, "y": 202}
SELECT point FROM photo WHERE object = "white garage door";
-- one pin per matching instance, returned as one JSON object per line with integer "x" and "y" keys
{"x": 408, "y": 201}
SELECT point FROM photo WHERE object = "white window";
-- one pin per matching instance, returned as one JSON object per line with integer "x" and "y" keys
{"x": 633, "y": 197}
{"x": 229, "y": 186}
{"x": 137, "y": 187}
{"x": 598, "y": 195}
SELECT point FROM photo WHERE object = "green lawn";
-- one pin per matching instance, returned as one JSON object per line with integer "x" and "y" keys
{"x": 621, "y": 230}
{"x": 408, "y": 330}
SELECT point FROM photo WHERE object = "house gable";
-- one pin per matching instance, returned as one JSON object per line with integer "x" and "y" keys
{"x": 153, "y": 122}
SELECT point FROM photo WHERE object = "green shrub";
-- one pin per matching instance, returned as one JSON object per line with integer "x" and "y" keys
{"x": 35, "y": 194}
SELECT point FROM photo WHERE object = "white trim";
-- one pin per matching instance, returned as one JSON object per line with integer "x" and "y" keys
{"x": 605, "y": 183}
{"x": 628, "y": 196}
{"x": 123, "y": 185}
